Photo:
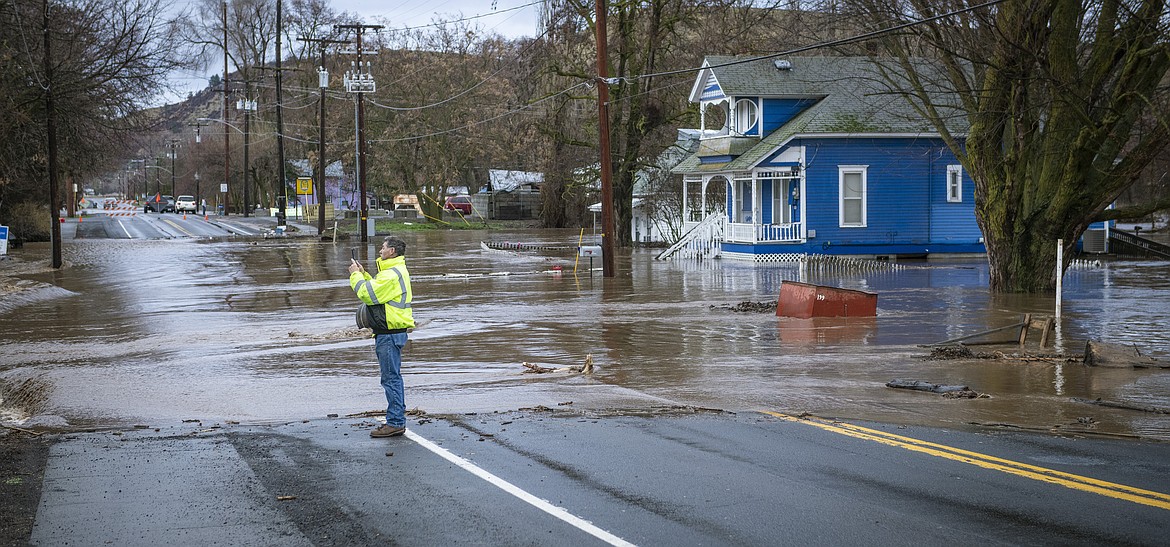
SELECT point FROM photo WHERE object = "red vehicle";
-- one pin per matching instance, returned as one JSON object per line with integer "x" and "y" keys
{"x": 459, "y": 203}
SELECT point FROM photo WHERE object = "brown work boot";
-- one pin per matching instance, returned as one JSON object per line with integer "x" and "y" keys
{"x": 387, "y": 430}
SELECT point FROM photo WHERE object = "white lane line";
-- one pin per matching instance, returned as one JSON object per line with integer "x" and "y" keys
{"x": 123, "y": 227}
{"x": 510, "y": 488}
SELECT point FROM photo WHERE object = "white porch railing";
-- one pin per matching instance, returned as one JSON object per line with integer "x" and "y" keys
{"x": 700, "y": 241}
{"x": 761, "y": 233}
{"x": 702, "y": 238}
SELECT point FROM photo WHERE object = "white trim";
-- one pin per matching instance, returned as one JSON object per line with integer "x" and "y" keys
{"x": 954, "y": 181}
{"x": 755, "y": 123}
{"x": 700, "y": 81}
{"x": 842, "y": 170}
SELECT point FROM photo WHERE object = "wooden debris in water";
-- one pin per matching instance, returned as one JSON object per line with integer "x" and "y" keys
{"x": 1100, "y": 354}
{"x": 947, "y": 391}
{"x": 750, "y": 307}
{"x": 919, "y": 385}
{"x": 1115, "y": 404}
{"x": 586, "y": 368}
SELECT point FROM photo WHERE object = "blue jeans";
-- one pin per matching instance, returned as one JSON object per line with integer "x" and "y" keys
{"x": 389, "y": 350}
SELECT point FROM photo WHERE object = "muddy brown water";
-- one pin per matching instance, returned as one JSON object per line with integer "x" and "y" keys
{"x": 256, "y": 331}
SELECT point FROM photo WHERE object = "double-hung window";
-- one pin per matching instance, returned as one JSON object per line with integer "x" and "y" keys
{"x": 852, "y": 195}
{"x": 955, "y": 183}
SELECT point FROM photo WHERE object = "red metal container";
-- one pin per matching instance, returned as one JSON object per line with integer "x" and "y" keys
{"x": 802, "y": 300}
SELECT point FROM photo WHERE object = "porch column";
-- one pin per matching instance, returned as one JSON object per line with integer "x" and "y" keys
{"x": 686, "y": 213}
{"x": 703, "y": 198}
{"x": 803, "y": 195}
{"x": 757, "y": 208}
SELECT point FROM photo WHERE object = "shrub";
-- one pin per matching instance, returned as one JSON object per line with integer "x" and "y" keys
{"x": 27, "y": 221}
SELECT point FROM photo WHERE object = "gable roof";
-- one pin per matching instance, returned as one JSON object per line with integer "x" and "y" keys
{"x": 503, "y": 180}
{"x": 852, "y": 98}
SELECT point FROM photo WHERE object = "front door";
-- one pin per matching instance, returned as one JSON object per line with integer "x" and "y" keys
{"x": 743, "y": 202}
{"x": 782, "y": 200}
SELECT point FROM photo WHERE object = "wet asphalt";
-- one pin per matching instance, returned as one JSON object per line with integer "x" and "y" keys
{"x": 662, "y": 476}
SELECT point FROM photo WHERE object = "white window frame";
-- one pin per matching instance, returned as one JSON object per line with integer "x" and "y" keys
{"x": 842, "y": 170}
{"x": 954, "y": 184}
{"x": 740, "y": 113}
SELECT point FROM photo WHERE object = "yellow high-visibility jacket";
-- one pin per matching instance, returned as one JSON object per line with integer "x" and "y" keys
{"x": 391, "y": 289}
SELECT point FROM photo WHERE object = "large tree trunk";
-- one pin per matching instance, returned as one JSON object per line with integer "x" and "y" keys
{"x": 1065, "y": 106}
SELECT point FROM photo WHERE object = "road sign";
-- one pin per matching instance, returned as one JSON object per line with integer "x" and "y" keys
{"x": 223, "y": 188}
{"x": 304, "y": 186}
{"x": 3, "y": 240}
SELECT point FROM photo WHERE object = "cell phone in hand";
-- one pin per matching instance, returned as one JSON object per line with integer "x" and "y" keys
{"x": 353, "y": 254}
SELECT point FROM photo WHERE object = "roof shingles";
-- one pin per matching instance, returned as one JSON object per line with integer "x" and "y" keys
{"x": 853, "y": 99}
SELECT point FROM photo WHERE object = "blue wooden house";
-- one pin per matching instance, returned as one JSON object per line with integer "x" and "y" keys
{"x": 814, "y": 155}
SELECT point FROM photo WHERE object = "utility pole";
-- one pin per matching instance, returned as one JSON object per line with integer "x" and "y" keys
{"x": 322, "y": 84}
{"x": 144, "y": 189}
{"x": 607, "y": 229}
{"x": 51, "y": 134}
{"x": 227, "y": 155}
{"x": 248, "y": 106}
{"x": 283, "y": 200}
{"x": 359, "y": 81}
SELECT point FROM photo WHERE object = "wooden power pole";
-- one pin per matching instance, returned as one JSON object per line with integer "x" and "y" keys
{"x": 607, "y": 228}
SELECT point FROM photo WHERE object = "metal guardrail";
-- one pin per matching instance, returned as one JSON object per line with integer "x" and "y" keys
{"x": 1141, "y": 245}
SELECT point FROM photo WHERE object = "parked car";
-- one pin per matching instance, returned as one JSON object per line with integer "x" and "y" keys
{"x": 459, "y": 203}
{"x": 159, "y": 204}
{"x": 186, "y": 204}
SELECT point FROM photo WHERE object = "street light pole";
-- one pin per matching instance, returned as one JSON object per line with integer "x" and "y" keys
{"x": 174, "y": 146}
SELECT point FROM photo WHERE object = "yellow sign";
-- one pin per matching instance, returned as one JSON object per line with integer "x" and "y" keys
{"x": 304, "y": 186}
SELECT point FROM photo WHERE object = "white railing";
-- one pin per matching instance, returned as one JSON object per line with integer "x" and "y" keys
{"x": 700, "y": 241}
{"x": 759, "y": 233}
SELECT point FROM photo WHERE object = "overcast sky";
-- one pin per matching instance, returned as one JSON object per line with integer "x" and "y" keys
{"x": 512, "y": 23}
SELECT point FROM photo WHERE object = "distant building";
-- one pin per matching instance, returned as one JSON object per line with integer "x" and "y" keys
{"x": 653, "y": 219}
{"x": 510, "y": 195}
{"x": 340, "y": 189}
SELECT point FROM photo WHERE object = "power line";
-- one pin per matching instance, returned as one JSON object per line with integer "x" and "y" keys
{"x": 493, "y": 118}
{"x": 514, "y": 59}
{"x": 436, "y": 25}
{"x": 821, "y": 45}
{"x": 831, "y": 43}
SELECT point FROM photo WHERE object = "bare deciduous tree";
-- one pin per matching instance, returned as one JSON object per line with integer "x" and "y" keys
{"x": 1067, "y": 104}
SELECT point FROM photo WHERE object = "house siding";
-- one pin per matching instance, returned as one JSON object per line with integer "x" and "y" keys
{"x": 777, "y": 112}
{"x": 906, "y": 207}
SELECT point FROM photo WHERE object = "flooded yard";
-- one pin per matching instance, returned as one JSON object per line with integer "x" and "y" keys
{"x": 260, "y": 331}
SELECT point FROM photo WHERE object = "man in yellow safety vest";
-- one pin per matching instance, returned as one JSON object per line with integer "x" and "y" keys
{"x": 387, "y": 297}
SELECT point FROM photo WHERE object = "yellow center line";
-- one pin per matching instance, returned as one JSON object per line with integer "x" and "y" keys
{"x": 177, "y": 227}
{"x": 1043, "y": 474}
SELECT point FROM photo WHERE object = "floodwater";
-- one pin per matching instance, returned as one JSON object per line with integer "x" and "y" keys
{"x": 153, "y": 332}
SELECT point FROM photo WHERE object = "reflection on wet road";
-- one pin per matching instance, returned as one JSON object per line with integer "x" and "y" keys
{"x": 263, "y": 331}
